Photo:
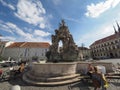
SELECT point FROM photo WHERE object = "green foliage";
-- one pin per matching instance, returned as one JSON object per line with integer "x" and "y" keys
{"x": 35, "y": 58}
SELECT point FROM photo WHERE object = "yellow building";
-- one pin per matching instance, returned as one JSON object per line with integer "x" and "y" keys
{"x": 108, "y": 47}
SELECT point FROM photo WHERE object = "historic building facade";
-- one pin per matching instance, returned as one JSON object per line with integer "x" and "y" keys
{"x": 26, "y": 50}
{"x": 108, "y": 47}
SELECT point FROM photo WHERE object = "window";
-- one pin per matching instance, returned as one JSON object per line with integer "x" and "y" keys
{"x": 117, "y": 46}
{"x": 113, "y": 47}
{"x": 116, "y": 41}
{"x": 45, "y": 50}
{"x": 112, "y": 43}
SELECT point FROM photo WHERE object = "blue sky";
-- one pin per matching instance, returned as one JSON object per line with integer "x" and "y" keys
{"x": 36, "y": 20}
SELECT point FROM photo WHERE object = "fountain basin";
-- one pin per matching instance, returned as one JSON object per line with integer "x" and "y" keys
{"x": 51, "y": 74}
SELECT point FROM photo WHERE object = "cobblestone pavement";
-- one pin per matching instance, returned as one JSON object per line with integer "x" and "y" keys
{"x": 5, "y": 85}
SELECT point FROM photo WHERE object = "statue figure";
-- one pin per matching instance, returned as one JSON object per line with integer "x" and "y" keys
{"x": 56, "y": 31}
{"x": 62, "y": 23}
{"x": 53, "y": 38}
{"x": 71, "y": 41}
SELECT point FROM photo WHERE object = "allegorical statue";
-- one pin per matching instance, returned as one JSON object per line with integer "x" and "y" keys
{"x": 69, "y": 51}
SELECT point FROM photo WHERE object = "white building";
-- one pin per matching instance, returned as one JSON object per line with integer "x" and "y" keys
{"x": 26, "y": 50}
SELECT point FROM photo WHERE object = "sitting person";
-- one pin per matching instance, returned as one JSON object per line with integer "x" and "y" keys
{"x": 20, "y": 70}
{"x": 90, "y": 70}
{"x": 98, "y": 79}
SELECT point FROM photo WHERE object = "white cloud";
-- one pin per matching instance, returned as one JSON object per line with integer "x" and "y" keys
{"x": 40, "y": 39}
{"x": 19, "y": 31}
{"x": 94, "y": 10}
{"x": 72, "y": 19}
{"x": 56, "y": 2}
{"x": 115, "y": 2}
{"x": 7, "y": 5}
{"x": 36, "y": 36}
{"x": 31, "y": 12}
{"x": 4, "y": 27}
{"x": 42, "y": 25}
{"x": 41, "y": 33}
{"x": 91, "y": 37}
{"x": 9, "y": 38}
{"x": 13, "y": 29}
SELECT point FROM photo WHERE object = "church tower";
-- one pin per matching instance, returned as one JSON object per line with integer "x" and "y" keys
{"x": 118, "y": 26}
{"x": 115, "y": 29}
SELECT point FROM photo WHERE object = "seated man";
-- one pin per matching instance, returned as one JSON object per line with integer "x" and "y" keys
{"x": 98, "y": 79}
{"x": 22, "y": 67}
{"x": 20, "y": 70}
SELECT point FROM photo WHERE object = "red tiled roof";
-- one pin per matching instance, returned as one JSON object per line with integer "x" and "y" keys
{"x": 111, "y": 37}
{"x": 36, "y": 44}
{"x": 29, "y": 45}
{"x": 15, "y": 45}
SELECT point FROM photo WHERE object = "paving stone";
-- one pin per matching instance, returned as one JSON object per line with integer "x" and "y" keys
{"x": 75, "y": 86}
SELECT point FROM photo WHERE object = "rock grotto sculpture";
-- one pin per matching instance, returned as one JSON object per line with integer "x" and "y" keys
{"x": 69, "y": 51}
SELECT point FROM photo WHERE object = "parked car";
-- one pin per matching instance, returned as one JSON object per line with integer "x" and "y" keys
{"x": 1, "y": 62}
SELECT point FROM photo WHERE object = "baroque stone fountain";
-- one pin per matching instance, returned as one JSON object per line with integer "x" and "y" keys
{"x": 69, "y": 51}
{"x": 56, "y": 73}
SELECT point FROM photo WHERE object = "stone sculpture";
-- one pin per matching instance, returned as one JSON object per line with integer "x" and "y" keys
{"x": 69, "y": 51}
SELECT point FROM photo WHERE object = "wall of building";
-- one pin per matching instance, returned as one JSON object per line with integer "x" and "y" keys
{"x": 108, "y": 49}
{"x": 25, "y": 53}
{"x": 11, "y": 52}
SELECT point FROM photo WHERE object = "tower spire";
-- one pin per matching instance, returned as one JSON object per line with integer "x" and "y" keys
{"x": 118, "y": 26}
{"x": 114, "y": 29}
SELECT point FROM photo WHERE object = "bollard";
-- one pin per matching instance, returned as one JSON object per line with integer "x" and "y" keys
{"x": 15, "y": 87}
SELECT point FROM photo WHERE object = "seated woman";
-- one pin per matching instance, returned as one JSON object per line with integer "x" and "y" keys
{"x": 90, "y": 70}
{"x": 98, "y": 79}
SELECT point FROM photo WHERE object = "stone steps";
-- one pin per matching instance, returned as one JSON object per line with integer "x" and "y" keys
{"x": 61, "y": 80}
{"x": 51, "y": 79}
